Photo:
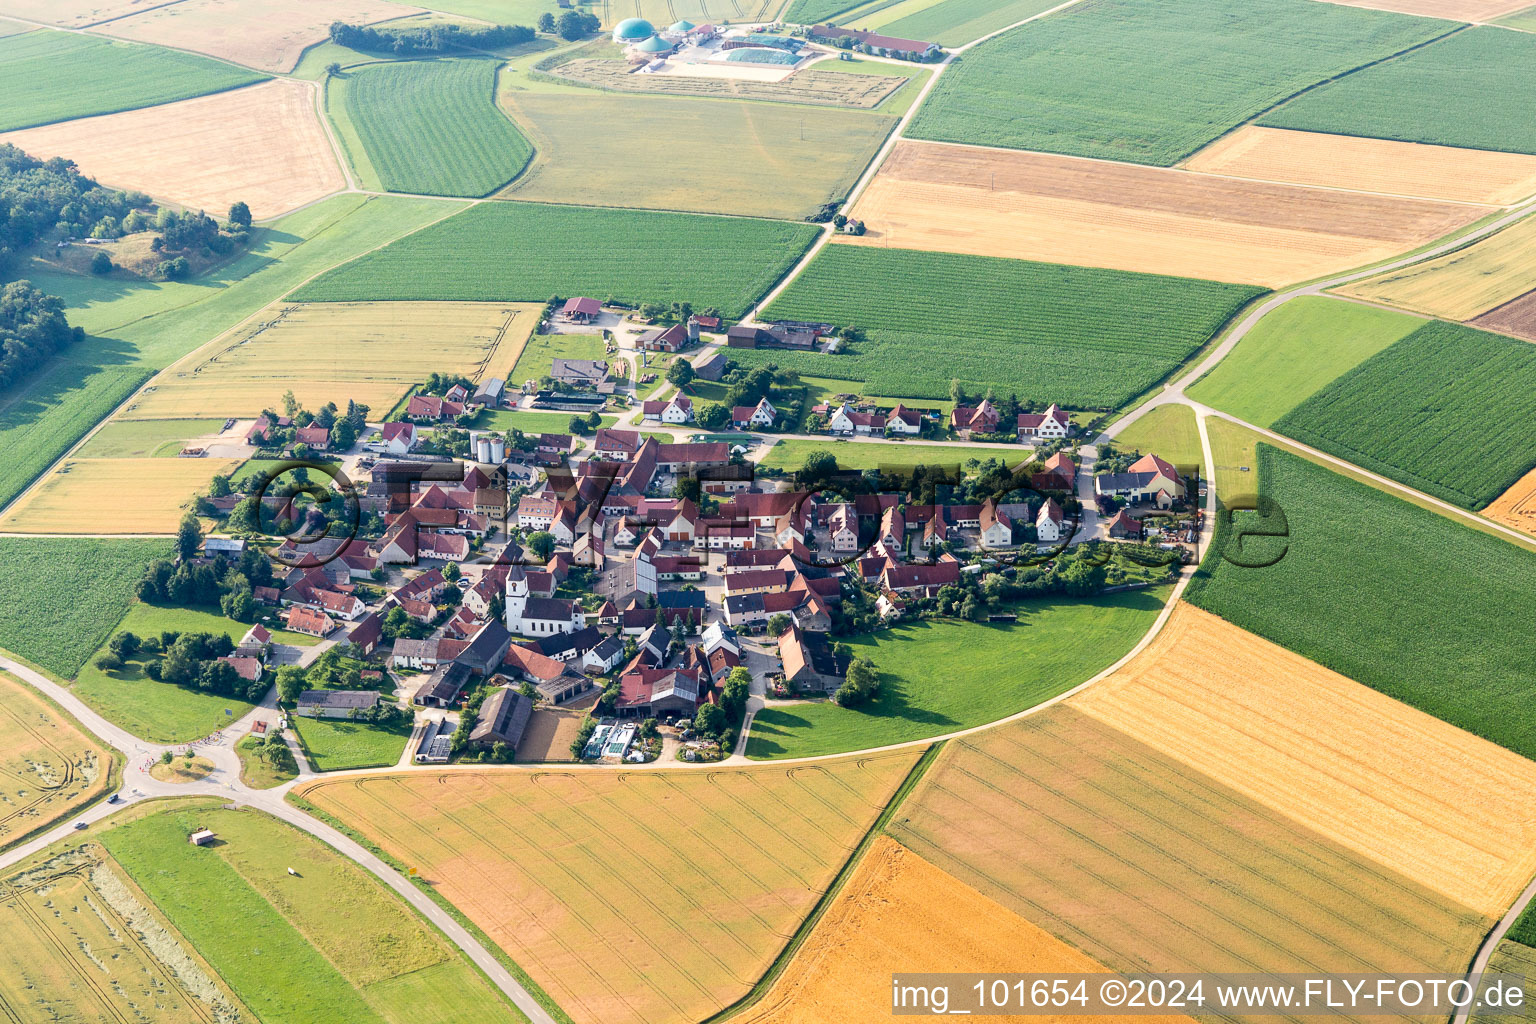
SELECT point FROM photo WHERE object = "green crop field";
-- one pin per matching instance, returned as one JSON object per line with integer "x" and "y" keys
{"x": 808, "y": 12}
{"x": 1475, "y": 89}
{"x": 1200, "y": 69}
{"x": 327, "y": 942}
{"x": 938, "y": 677}
{"x": 1438, "y": 614}
{"x": 429, "y": 127}
{"x": 791, "y": 454}
{"x": 1296, "y": 351}
{"x": 953, "y": 22}
{"x": 1449, "y": 410}
{"x": 530, "y": 251}
{"x": 336, "y": 744}
{"x": 64, "y": 596}
{"x": 103, "y": 77}
{"x": 1082, "y": 337}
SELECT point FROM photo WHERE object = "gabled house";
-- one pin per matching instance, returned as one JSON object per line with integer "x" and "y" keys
{"x": 996, "y": 527}
{"x": 308, "y": 621}
{"x": 612, "y": 445}
{"x": 668, "y": 339}
{"x": 980, "y": 419}
{"x": 845, "y": 421}
{"x": 904, "y": 421}
{"x": 1049, "y": 522}
{"x": 316, "y": 437}
{"x": 747, "y": 417}
{"x": 1051, "y": 425}
{"x": 810, "y": 660}
{"x": 1124, "y": 526}
{"x": 1149, "y": 478}
{"x": 399, "y": 438}
{"x": 676, "y": 410}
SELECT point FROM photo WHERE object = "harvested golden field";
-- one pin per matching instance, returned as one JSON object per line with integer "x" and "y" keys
{"x": 1455, "y": 10}
{"x": 1517, "y": 506}
{"x": 629, "y": 896}
{"x": 1422, "y": 798}
{"x": 1461, "y": 284}
{"x": 74, "y": 13}
{"x": 1370, "y": 165}
{"x": 1059, "y": 209}
{"x": 86, "y": 496}
{"x": 269, "y": 35}
{"x": 899, "y": 913}
{"x": 370, "y": 352}
{"x": 48, "y": 767}
{"x": 83, "y": 943}
{"x": 262, "y": 145}
{"x": 1146, "y": 864}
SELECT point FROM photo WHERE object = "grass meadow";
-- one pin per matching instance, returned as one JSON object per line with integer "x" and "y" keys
{"x": 1448, "y": 410}
{"x": 262, "y": 772}
{"x": 65, "y": 596}
{"x": 104, "y": 76}
{"x": 1169, "y": 431}
{"x": 545, "y": 862}
{"x": 1473, "y": 90}
{"x": 1058, "y": 85}
{"x": 939, "y": 677}
{"x": 790, "y": 454}
{"x": 1081, "y": 337}
{"x": 430, "y": 127}
{"x": 1437, "y": 610}
{"x": 530, "y": 251}
{"x": 336, "y": 744}
{"x": 325, "y": 943}
{"x": 1294, "y": 352}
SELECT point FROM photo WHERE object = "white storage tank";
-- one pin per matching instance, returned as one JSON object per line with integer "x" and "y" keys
{"x": 483, "y": 450}
{"x": 498, "y": 450}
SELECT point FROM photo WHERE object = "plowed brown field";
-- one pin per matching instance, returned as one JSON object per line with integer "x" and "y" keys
{"x": 262, "y": 145}
{"x": 1420, "y": 797}
{"x": 899, "y": 913}
{"x": 629, "y": 896}
{"x": 1456, "y": 10}
{"x": 1370, "y": 165}
{"x": 1517, "y": 317}
{"x": 1059, "y": 209}
{"x": 1146, "y": 864}
{"x": 1517, "y": 506}
{"x": 269, "y": 35}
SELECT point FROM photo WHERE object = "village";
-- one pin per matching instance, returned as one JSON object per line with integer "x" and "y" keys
{"x": 626, "y": 595}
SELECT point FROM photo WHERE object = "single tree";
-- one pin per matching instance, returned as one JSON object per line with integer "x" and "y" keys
{"x": 101, "y": 263}
{"x": 547, "y": 23}
{"x": 189, "y": 535}
{"x": 681, "y": 373}
{"x": 240, "y": 214}
{"x": 542, "y": 544}
{"x": 452, "y": 572}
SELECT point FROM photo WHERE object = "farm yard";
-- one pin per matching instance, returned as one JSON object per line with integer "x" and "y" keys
{"x": 529, "y": 856}
{"x": 596, "y": 150}
{"x": 1390, "y": 783}
{"x": 1146, "y": 864}
{"x": 954, "y": 22}
{"x": 197, "y": 153}
{"x": 104, "y": 77}
{"x": 498, "y": 252}
{"x": 1149, "y": 220}
{"x": 1294, "y": 352}
{"x": 268, "y": 35}
{"x": 1056, "y": 85}
{"x": 897, "y": 910}
{"x": 77, "y": 591}
{"x": 1404, "y": 413}
{"x": 814, "y": 85}
{"x": 113, "y": 496}
{"x": 1463, "y": 284}
{"x": 940, "y": 677}
{"x": 1370, "y": 165}
{"x": 369, "y": 352}
{"x": 1084, "y": 338}
{"x": 323, "y": 943}
{"x": 427, "y": 127}
{"x": 1352, "y": 546}
{"x": 1469, "y": 90}
{"x": 49, "y": 766}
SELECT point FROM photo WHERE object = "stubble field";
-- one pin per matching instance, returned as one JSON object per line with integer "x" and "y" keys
{"x": 1370, "y": 165}
{"x": 628, "y": 896}
{"x": 268, "y": 35}
{"x": 48, "y": 766}
{"x": 600, "y": 150}
{"x": 899, "y": 913}
{"x": 201, "y": 153}
{"x": 331, "y": 352}
{"x": 1394, "y": 785}
{"x": 113, "y": 496}
{"x": 1463, "y": 284}
{"x": 74, "y": 13}
{"x": 1517, "y": 506}
{"x": 1149, "y": 220}
{"x": 1146, "y": 864}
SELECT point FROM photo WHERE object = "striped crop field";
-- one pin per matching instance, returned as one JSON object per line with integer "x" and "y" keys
{"x": 603, "y": 885}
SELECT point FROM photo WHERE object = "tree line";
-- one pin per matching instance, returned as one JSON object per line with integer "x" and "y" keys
{"x": 443, "y": 38}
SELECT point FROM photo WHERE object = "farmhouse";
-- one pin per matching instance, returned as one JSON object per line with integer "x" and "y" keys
{"x": 1149, "y": 478}
{"x": 316, "y": 437}
{"x": 432, "y": 409}
{"x": 845, "y": 421}
{"x": 556, "y": 681}
{"x": 503, "y": 718}
{"x": 309, "y": 621}
{"x": 904, "y": 421}
{"x": 399, "y": 438}
{"x": 670, "y": 339}
{"x": 443, "y": 685}
{"x": 1124, "y": 526}
{"x": 653, "y": 692}
{"x": 810, "y": 661}
{"x": 580, "y": 310}
{"x": 981, "y": 419}
{"x": 1051, "y": 425}
{"x": 335, "y": 703}
{"x": 1049, "y": 526}
{"x": 616, "y": 445}
{"x": 744, "y": 417}
{"x": 676, "y": 410}
{"x": 996, "y": 527}
{"x": 581, "y": 373}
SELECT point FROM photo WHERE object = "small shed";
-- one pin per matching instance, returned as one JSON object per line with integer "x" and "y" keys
{"x": 202, "y": 837}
